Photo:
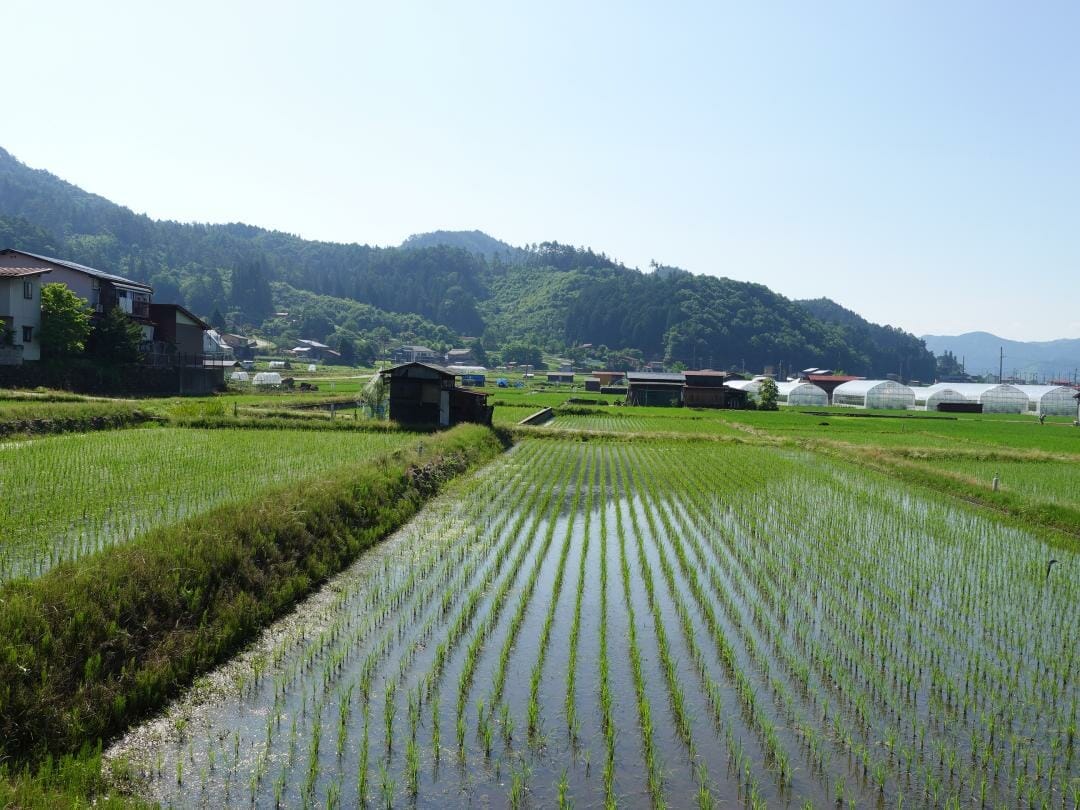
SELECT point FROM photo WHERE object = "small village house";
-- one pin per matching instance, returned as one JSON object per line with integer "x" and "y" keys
{"x": 243, "y": 347}
{"x": 20, "y": 311}
{"x": 560, "y": 377}
{"x": 414, "y": 354}
{"x": 314, "y": 350}
{"x": 178, "y": 331}
{"x": 460, "y": 357}
{"x": 102, "y": 291}
{"x": 426, "y": 394}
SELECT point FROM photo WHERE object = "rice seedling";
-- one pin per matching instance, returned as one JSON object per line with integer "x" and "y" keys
{"x": 833, "y": 638}
{"x": 72, "y": 495}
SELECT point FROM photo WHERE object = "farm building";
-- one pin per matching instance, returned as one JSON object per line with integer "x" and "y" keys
{"x": 425, "y": 394}
{"x": 560, "y": 377}
{"x": 1050, "y": 400}
{"x": 708, "y": 389}
{"x": 880, "y": 394}
{"x": 592, "y": 384}
{"x": 654, "y": 388}
{"x": 471, "y": 376}
{"x": 930, "y": 398}
{"x": 800, "y": 393}
{"x": 609, "y": 377}
{"x": 751, "y": 387}
{"x": 1002, "y": 398}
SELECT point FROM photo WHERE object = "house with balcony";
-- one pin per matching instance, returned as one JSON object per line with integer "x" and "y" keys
{"x": 20, "y": 311}
{"x": 102, "y": 291}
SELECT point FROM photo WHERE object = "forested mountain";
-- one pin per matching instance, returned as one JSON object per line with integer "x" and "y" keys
{"x": 438, "y": 287}
{"x": 885, "y": 348}
{"x": 472, "y": 241}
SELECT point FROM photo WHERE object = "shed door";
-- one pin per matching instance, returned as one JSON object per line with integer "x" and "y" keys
{"x": 444, "y": 408}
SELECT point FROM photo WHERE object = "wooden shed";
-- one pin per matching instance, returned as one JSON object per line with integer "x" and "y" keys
{"x": 426, "y": 394}
{"x": 706, "y": 389}
{"x": 654, "y": 388}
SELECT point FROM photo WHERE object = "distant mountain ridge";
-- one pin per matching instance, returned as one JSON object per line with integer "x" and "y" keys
{"x": 440, "y": 286}
{"x": 476, "y": 242}
{"x": 1048, "y": 359}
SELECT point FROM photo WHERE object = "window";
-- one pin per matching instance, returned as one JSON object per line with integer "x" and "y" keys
{"x": 28, "y": 290}
{"x": 28, "y": 334}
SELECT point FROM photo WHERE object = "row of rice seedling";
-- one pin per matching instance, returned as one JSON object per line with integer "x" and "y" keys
{"x": 858, "y": 657}
{"x": 330, "y": 660}
{"x": 600, "y": 421}
{"x": 71, "y": 495}
{"x": 778, "y": 632}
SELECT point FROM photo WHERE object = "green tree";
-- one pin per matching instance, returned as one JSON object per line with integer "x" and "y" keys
{"x": 480, "y": 353}
{"x": 65, "y": 322}
{"x": 523, "y": 354}
{"x": 116, "y": 338}
{"x": 768, "y": 395}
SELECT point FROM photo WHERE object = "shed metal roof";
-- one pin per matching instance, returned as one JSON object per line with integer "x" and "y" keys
{"x": 655, "y": 376}
{"x": 19, "y": 272}
{"x": 439, "y": 369}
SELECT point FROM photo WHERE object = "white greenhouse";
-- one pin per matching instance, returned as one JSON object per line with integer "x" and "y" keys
{"x": 267, "y": 378}
{"x": 1050, "y": 400}
{"x": 929, "y": 398}
{"x": 879, "y": 394}
{"x": 239, "y": 376}
{"x": 994, "y": 398}
{"x": 800, "y": 393}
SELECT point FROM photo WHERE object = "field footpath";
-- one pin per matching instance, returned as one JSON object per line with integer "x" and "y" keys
{"x": 99, "y": 644}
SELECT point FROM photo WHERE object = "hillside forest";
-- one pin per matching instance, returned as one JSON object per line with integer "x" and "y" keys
{"x": 447, "y": 289}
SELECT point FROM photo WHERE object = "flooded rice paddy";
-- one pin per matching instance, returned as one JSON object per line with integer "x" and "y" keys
{"x": 597, "y": 624}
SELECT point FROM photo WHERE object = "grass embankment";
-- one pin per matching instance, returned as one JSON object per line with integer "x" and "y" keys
{"x": 33, "y": 417}
{"x": 97, "y": 644}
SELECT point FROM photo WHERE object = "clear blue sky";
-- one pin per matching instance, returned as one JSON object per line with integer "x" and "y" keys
{"x": 919, "y": 162}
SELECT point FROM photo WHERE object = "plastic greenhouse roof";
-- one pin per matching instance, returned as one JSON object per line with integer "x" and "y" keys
{"x": 974, "y": 389}
{"x": 1035, "y": 392}
{"x": 788, "y": 386}
{"x": 859, "y": 387}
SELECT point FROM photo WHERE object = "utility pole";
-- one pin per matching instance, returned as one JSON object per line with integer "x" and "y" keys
{"x": 1001, "y": 365}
